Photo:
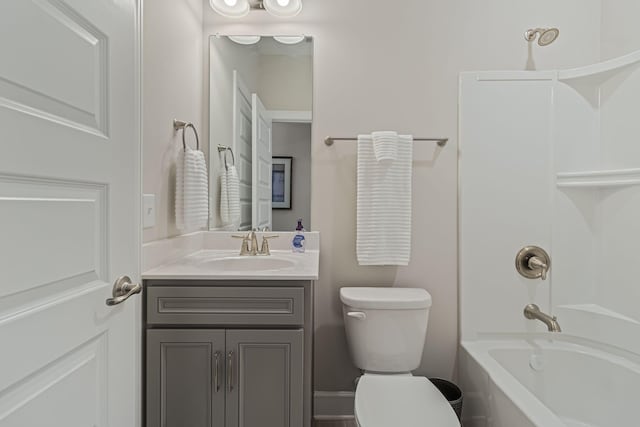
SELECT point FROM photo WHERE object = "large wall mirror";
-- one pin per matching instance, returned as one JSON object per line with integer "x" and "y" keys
{"x": 260, "y": 98}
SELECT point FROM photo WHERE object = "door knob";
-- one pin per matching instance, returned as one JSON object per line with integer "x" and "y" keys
{"x": 122, "y": 290}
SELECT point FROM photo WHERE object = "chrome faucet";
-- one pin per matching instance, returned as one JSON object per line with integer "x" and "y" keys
{"x": 532, "y": 311}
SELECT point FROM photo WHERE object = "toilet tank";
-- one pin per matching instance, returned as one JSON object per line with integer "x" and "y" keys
{"x": 386, "y": 327}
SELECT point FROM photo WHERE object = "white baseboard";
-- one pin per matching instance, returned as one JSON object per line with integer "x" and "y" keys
{"x": 333, "y": 405}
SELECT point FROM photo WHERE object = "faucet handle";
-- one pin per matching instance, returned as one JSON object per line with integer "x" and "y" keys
{"x": 244, "y": 248}
{"x": 264, "y": 250}
{"x": 533, "y": 262}
{"x": 244, "y": 238}
{"x": 536, "y": 263}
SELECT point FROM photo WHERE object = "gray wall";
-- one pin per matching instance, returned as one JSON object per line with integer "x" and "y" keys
{"x": 294, "y": 140}
{"x": 173, "y": 65}
{"x": 286, "y": 82}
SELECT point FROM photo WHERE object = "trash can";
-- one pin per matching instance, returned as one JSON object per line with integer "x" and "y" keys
{"x": 451, "y": 392}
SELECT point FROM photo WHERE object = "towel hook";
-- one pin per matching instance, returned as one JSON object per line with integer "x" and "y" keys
{"x": 225, "y": 148}
{"x": 179, "y": 124}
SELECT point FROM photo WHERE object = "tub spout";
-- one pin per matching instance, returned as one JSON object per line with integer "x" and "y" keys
{"x": 532, "y": 311}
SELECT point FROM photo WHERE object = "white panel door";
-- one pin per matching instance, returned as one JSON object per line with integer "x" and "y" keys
{"x": 69, "y": 213}
{"x": 261, "y": 180}
{"x": 242, "y": 146}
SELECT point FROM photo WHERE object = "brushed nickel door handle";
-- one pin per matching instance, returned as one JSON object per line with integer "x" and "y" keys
{"x": 216, "y": 371}
{"x": 122, "y": 290}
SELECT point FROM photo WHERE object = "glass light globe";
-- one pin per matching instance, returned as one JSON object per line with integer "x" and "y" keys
{"x": 230, "y": 8}
{"x": 246, "y": 40}
{"x": 288, "y": 39}
{"x": 283, "y": 8}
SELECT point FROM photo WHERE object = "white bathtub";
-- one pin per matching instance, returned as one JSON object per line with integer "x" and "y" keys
{"x": 541, "y": 383}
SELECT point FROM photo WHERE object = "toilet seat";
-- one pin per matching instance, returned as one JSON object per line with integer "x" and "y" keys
{"x": 401, "y": 400}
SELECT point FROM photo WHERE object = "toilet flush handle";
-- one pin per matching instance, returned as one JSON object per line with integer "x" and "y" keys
{"x": 357, "y": 314}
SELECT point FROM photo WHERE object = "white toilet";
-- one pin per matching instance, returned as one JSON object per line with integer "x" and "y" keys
{"x": 386, "y": 329}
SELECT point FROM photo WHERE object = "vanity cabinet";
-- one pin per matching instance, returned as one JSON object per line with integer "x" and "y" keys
{"x": 184, "y": 382}
{"x": 222, "y": 354}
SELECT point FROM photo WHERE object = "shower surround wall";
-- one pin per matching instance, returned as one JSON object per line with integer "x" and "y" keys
{"x": 505, "y": 197}
{"x": 553, "y": 163}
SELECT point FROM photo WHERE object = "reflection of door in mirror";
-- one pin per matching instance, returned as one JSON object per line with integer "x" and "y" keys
{"x": 242, "y": 134}
{"x": 261, "y": 181}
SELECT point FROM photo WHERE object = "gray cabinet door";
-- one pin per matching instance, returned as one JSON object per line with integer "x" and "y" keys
{"x": 185, "y": 386}
{"x": 264, "y": 378}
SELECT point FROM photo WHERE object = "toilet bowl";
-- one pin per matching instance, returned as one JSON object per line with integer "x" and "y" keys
{"x": 386, "y": 330}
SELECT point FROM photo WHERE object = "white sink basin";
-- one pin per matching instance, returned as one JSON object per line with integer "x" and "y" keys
{"x": 248, "y": 263}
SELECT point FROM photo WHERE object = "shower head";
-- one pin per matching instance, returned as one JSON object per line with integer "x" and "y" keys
{"x": 546, "y": 36}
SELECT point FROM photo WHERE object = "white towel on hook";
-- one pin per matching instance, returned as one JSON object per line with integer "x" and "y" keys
{"x": 192, "y": 190}
{"x": 230, "y": 198}
{"x": 384, "y": 204}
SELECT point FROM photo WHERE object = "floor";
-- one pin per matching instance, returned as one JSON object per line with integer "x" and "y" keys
{"x": 332, "y": 423}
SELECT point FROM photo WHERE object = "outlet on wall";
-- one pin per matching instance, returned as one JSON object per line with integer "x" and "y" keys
{"x": 149, "y": 210}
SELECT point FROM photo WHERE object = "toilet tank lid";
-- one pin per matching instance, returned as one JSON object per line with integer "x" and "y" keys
{"x": 385, "y": 298}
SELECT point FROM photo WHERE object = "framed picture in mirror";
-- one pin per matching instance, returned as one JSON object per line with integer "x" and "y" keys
{"x": 281, "y": 182}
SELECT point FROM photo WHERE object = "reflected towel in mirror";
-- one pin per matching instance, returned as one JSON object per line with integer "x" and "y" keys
{"x": 230, "y": 198}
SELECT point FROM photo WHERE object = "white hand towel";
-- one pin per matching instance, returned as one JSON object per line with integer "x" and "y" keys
{"x": 385, "y": 145}
{"x": 230, "y": 198}
{"x": 180, "y": 191}
{"x": 192, "y": 194}
{"x": 384, "y": 204}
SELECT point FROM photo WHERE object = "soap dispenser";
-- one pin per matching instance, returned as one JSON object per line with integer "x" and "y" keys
{"x": 297, "y": 244}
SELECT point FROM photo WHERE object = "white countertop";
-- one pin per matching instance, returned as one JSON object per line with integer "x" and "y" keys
{"x": 209, "y": 255}
{"x": 201, "y": 265}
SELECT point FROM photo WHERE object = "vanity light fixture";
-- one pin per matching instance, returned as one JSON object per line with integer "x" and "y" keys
{"x": 246, "y": 40}
{"x": 240, "y": 8}
{"x": 230, "y": 8}
{"x": 289, "y": 39}
{"x": 283, "y": 8}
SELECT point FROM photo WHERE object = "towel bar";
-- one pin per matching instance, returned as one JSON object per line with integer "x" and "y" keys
{"x": 329, "y": 140}
{"x": 179, "y": 124}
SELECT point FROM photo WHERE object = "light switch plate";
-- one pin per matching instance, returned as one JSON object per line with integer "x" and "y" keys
{"x": 149, "y": 210}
